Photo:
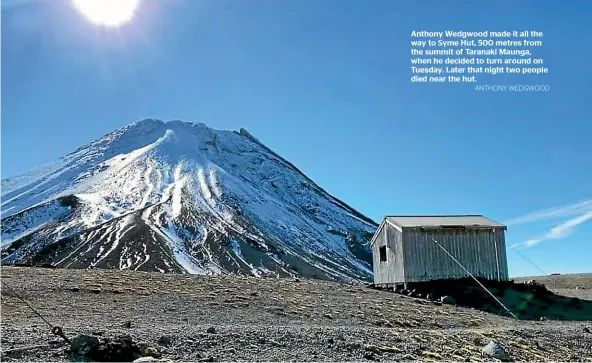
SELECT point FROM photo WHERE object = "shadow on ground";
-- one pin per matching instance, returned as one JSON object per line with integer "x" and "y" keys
{"x": 527, "y": 301}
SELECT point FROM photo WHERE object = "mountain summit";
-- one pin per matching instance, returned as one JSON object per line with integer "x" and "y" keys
{"x": 181, "y": 197}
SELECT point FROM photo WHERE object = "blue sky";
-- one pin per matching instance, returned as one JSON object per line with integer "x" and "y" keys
{"x": 326, "y": 85}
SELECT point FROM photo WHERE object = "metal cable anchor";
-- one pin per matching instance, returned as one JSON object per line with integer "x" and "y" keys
{"x": 57, "y": 330}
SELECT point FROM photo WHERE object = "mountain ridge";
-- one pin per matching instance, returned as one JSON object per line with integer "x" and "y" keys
{"x": 182, "y": 197}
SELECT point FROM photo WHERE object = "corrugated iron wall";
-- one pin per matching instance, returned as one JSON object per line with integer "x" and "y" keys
{"x": 392, "y": 270}
{"x": 396, "y": 264}
{"x": 479, "y": 251}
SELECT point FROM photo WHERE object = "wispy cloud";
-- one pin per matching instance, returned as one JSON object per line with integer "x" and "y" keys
{"x": 581, "y": 213}
{"x": 545, "y": 214}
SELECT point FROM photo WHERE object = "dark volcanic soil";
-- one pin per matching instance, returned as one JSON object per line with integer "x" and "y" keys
{"x": 263, "y": 319}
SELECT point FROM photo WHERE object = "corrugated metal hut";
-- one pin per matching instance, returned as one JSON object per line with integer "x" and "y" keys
{"x": 410, "y": 249}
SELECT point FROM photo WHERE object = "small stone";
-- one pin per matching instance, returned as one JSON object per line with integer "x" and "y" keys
{"x": 128, "y": 324}
{"x": 95, "y": 290}
{"x": 331, "y": 341}
{"x": 275, "y": 343}
{"x": 51, "y": 342}
{"x": 495, "y": 350}
{"x": 149, "y": 351}
{"x": 74, "y": 289}
{"x": 211, "y": 330}
{"x": 587, "y": 330}
{"x": 370, "y": 356}
{"x": 384, "y": 322}
{"x": 429, "y": 297}
{"x": 354, "y": 345}
{"x": 432, "y": 355}
{"x": 165, "y": 340}
{"x": 328, "y": 316}
{"x": 372, "y": 348}
{"x": 388, "y": 349}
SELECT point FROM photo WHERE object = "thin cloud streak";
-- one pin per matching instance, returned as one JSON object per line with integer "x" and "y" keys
{"x": 564, "y": 211}
{"x": 560, "y": 231}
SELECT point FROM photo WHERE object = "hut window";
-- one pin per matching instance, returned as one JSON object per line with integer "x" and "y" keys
{"x": 382, "y": 251}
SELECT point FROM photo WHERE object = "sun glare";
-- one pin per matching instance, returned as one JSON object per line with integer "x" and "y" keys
{"x": 107, "y": 12}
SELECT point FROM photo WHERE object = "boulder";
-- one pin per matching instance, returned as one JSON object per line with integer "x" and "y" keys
{"x": 84, "y": 346}
{"x": 495, "y": 350}
{"x": 448, "y": 300}
{"x": 89, "y": 348}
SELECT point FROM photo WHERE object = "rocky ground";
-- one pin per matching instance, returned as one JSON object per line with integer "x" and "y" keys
{"x": 565, "y": 298}
{"x": 223, "y": 318}
{"x": 572, "y": 285}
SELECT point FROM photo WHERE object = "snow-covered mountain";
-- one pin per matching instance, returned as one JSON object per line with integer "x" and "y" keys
{"x": 181, "y": 197}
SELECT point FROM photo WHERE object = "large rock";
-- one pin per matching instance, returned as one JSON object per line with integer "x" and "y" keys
{"x": 495, "y": 350}
{"x": 89, "y": 348}
{"x": 84, "y": 346}
{"x": 448, "y": 300}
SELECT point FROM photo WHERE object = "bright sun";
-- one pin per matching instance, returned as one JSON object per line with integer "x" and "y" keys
{"x": 107, "y": 12}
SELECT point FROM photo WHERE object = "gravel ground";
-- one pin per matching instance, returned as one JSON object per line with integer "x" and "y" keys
{"x": 225, "y": 318}
{"x": 572, "y": 285}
